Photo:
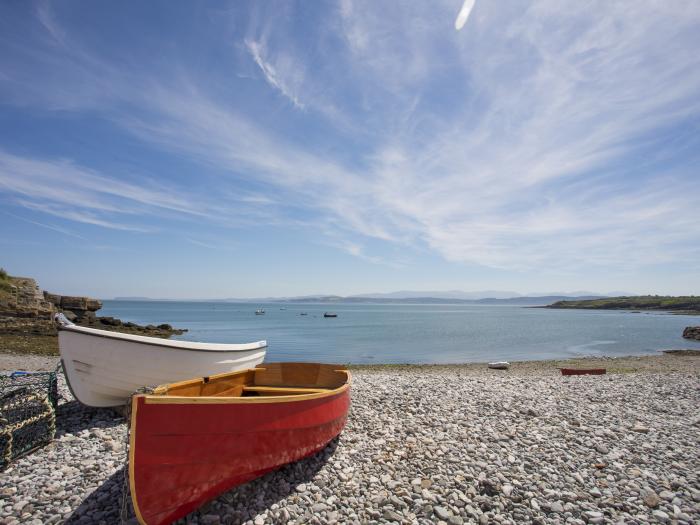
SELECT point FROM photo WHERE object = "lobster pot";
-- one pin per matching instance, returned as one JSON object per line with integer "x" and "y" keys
{"x": 27, "y": 413}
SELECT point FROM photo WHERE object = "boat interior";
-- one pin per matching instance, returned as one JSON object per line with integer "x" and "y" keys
{"x": 268, "y": 379}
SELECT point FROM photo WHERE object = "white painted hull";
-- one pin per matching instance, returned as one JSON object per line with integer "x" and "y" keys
{"x": 104, "y": 368}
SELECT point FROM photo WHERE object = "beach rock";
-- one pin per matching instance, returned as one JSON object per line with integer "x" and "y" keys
{"x": 392, "y": 515}
{"x": 70, "y": 315}
{"x": 441, "y": 513}
{"x": 52, "y": 298}
{"x": 692, "y": 332}
{"x": 75, "y": 304}
{"x": 557, "y": 507}
{"x": 651, "y": 499}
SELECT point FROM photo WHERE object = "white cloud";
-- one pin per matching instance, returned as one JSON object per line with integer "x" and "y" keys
{"x": 463, "y": 14}
{"x": 288, "y": 83}
{"x": 533, "y": 140}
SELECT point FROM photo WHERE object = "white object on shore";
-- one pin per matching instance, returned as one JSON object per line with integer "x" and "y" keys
{"x": 500, "y": 365}
{"x": 104, "y": 368}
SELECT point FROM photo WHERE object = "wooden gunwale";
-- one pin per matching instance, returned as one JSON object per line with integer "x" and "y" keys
{"x": 213, "y": 400}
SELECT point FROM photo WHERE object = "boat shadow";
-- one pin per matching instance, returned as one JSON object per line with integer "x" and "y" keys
{"x": 72, "y": 417}
{"x": 235, "y": 506}
{"x": 245, "y": 502}
{"x": 104, "y": 504}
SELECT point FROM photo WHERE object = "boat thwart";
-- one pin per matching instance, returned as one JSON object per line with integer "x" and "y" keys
{"x": 193, "y": 440}
{"x": 104, "y": 368}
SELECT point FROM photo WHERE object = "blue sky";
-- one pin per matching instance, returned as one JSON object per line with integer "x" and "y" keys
{"x": 183, "y": 149}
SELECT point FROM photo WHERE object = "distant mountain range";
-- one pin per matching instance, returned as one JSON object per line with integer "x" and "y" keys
{"x": 523, "y": 300}
{"x": 412, "y": 297}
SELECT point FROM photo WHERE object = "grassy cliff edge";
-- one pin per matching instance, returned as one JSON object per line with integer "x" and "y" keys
{"x": 687, "y": 304}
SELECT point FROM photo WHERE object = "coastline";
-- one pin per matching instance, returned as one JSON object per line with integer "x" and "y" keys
{"x": 658, "y": 363}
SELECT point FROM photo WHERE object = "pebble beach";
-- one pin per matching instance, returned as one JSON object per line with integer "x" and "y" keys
{"x": 426, "y": 444}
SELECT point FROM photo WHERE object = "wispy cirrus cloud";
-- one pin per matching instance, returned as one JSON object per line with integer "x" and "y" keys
{"x": 533, "y": 138}
{"x": 287, "y": 82}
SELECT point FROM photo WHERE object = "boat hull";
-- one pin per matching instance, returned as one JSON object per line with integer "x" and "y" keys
{"x": 582, "y": 371}
{"x": 105, "y": 371}
{"x": 185, "y": 453}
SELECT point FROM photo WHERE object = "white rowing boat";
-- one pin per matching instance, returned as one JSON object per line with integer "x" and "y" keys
{"x": 500, "y": 365}
{"x": 104, "y": 368}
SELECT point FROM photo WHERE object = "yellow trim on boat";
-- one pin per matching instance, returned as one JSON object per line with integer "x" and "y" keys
{"x": 132, "y": 451}
{"x": 213, "y": 400}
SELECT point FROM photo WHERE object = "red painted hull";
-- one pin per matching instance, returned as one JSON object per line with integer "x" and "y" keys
{"x": 185, "y": 454}
{"x": 582, "y": 371}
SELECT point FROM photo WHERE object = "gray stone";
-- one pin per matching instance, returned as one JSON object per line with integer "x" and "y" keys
{"x": 557, "y": 507}
{"x": 651, "y": 499}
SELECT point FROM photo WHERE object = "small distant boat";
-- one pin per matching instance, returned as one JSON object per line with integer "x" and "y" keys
{"x": 582, "y": 371}
{"x": 303, "y": 313}
{"x": 259, "y": 311}
{"x": 330, "y": 314}
{"x": 500, "y": 365}
{"x": 104, "y": 368}
{"x": 193, "y": 440}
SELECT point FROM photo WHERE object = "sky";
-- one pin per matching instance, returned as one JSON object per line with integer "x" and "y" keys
{"x": 251, "y": 149}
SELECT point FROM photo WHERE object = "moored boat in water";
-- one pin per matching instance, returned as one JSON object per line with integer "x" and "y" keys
{"x": 104, "y": 368}
{"x": 582, "y": 371}
{"x": 330, "y": 314}
{"x": 193, "y": 440}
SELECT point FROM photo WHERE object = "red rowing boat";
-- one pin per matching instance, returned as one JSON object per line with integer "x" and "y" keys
{"x": 193, "y": 440}
{"x": 582, "y": 371}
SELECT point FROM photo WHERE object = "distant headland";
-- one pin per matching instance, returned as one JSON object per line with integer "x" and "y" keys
{"x": 688, "y": 304}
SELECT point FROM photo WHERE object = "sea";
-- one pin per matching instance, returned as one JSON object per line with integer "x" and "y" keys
{"x": 415, "y": 333}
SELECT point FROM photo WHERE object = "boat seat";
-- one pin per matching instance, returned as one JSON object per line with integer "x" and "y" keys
{"x": 282, "y": 390}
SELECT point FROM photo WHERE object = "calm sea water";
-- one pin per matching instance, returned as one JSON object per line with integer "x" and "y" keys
{"x": 364, "y": 333}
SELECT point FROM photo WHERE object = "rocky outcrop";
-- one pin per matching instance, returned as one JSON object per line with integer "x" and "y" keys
{"x": 692, "y": 332}
{"x": 117, "y": 325}
{"x": 76, "y": 309}
{"x": 23, "y": 299}
{"x": 26, "y": 310}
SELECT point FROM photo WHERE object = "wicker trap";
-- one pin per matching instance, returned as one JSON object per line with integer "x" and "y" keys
{"x": 27, "y": 413}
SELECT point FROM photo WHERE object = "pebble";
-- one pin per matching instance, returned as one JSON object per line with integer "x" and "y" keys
{"x": 651, "y": 499}
{"x": 423, "y": 445}
{"x": 441, "y": 512}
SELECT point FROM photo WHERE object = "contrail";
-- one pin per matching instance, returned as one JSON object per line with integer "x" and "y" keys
{"x": 464, "y": 14}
